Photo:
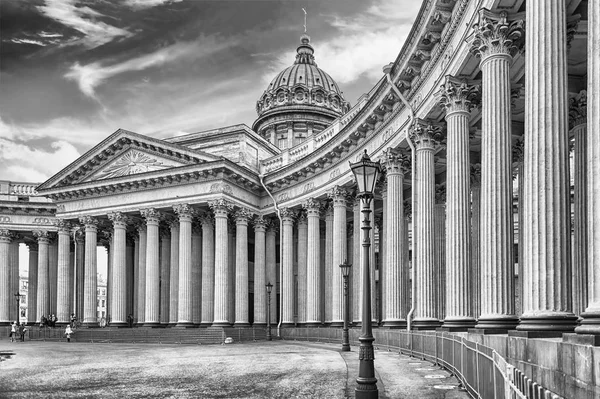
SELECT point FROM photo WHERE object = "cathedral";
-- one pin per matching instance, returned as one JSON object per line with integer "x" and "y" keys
{"x": 484, "y": 220}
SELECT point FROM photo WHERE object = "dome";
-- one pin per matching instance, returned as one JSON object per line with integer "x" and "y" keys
{"x": 302, "y": 92}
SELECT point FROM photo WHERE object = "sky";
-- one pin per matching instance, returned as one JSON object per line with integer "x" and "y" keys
{"x": 73, "y": 72}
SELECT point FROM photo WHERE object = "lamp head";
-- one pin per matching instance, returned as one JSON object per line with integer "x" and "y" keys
{"x": 345, "y": 268}
{"x": 269, "y": 287}
{"x": 366, "y": 173}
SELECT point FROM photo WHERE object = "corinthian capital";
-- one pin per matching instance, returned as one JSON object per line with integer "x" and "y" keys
{"x": 260, "y": 223}
{"x": 118, "y": 219}
{"x": 184, "y": 211}
{"x": 495, "y": 34}
{"x": 220, "y": 206}
{"x": 457, "y": 95}
{"x": 243, "y": 215}
{"x": 6, "y": 235}
{"x": 287, "y": 214}
{"x": 578, "y": 109}
{"x": 395, "y": 161}
{"x": 425, "y": 135}
{"x": 43, "y": 236}
{"x": 151, "y": 215}
{"x": 88, "y": 221}
{"x": 313, "y": 207}
{"x": 62, "y": 225}
{"x": 338, "y": 195}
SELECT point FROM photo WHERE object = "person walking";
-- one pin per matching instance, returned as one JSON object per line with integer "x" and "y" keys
{"x": 68, "y": 332}
{"x": 22, "y": 331}
{"x": 13, "y": 331}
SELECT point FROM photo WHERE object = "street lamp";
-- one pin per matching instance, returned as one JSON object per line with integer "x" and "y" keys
{"x": 345, "y": 273}
{"x": 18, "y": 299}
{"x": 366, "y": 173}
{"x": 269, "y": 289}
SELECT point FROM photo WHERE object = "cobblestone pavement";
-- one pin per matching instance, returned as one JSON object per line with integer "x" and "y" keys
{"x": 277, "y": 369}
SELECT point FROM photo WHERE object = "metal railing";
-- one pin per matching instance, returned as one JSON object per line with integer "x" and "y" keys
{"x": 482, "y": 372}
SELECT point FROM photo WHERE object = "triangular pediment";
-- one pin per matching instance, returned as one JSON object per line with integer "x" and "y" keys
{"x": 132, "y": 162}
{"x": 125, "y": 153}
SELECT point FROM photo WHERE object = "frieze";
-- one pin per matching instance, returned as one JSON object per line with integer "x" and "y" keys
{"x": 221, "y": 188}
{"x": 308, "y": 187}
{"x": 283, "y": 197}
{"x": 335, "y": 173}
{"x": 5, "y": 219}
{"x": 43, "y": 221}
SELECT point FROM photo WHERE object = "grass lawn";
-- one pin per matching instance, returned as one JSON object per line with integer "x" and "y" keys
{"x": 248, "y": 370}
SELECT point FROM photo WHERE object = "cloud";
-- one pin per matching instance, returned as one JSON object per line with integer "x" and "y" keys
{"x": 23, "y": 163}
{"x": 89, "y": 76}
{"x": 140, "y": 4}
{"x": 83, "y": 19}
{"x": 362, "y": 45}
{"x": 78, "y": 132}
{"x": 49, "y": 34}
{"x": 27, "y": 41}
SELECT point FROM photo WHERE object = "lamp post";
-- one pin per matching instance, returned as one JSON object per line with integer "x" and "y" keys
{"x": 269, "y": 289}
{"x": 366, "y": 173}
{"x": 18, "y": 299}
{"x": 345, "y": 273}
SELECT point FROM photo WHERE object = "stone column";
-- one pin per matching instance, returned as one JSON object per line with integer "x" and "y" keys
{"x": 108, "y": 245}
{"x": 287, "y": 280}
{"x": 313, "y": 262}
{"x": 591, "y": 316}
{"x": 129, "y": 270}
{"x": 64, "y": 261}
{"x": 476, "y": 237}
{"x": 547, "y": 300}
{"x": 196, "y": 273}
{"x": 14, "y": 278}
{"x": 328, "y": 267}
{"x": 338, "y": 197}
{"x": 32, "y": 316}
{"x": 136, "y": 272}
{"x": 52, "y": 273}
{"x": 118, "y": 301}
{"x": 260, "y": 272}
{"x": 71, "y": 282}
{"x": 241, "y": 267}
{"x": 174, "y": 273}
{"x": 271, "y": 260}
{"x": 425, "y": 312}
{"x": 208, "y": 269}
{"x": 141, "y": 281}
{"x": 231, "y": 231}
{"x": 184, "y": 307}
{"x": 302, "y": 264}
{"x": 90, "y": 287}
{"x": 80, "y": 272}
{"x": 396, "y": 165}
{"x": 165, "y": 275}
{"x": 152, "y": 300}
{"x": 356, "y": 305}
{"x": 43, "y": 279}
{"x": 578, "y": 124}
{"x": 7, "y": 297}
{"x": 221, "y": 208}
{"x": 457, "y": 97}
{"x": 439, "y": 222}
{"x": 381, "y": 223}
{"x": 495, "y": 41}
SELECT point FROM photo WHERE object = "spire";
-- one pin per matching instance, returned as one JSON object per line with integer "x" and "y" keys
{"x": 305, "y": 51}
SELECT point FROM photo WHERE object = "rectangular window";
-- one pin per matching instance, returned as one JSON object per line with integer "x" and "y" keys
{"x": 103, "y": 303}
{"x": 97, "y": 303}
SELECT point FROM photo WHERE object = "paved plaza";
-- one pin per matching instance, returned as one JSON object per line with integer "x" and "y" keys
{"x": 278, "y": 369}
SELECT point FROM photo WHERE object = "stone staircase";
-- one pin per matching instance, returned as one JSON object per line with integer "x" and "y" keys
{"x": 198, "y": 336}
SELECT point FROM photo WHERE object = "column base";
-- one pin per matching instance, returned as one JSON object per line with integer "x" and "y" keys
{"x": 119, "y": 324}
{"x": 458, "y": 324}
{"x": 184, "y": 324}
{"x": 336, "y": 324}
{"x": 394, "y": 324}
{"x": 259, "y": 324}
{"x": 426, "y": 324}
{"x": 488, "y": 331}
{"x": 205, "y": 324}
{"x": 241, "y": 324}
{"x": 286, "y": 325}
{"x": 499, "y": 322}
{"x": 590, "y": 324}
{"x": 220, "y": 324}
{"x": 548, "y": 322}
{"x": 89, "y": 324}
